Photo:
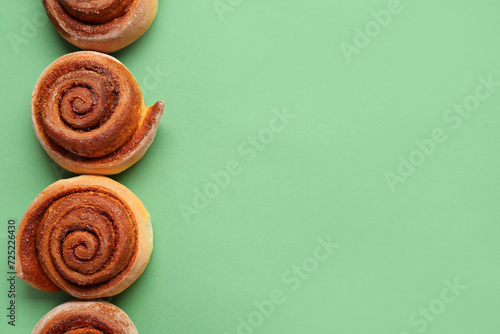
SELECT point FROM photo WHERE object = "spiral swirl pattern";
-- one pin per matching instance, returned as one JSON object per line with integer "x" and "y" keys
{"x": 101, "y": 25}
{"x": 88, "y": 236}
{"x": 88, "y": 112}
{"x": 95, "y": 11}
{"x": 85, "y": 317}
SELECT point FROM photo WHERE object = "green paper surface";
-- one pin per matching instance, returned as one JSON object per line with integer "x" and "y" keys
{"x": 321, "y": 167}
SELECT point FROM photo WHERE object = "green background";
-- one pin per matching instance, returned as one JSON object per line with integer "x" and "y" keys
{"x": 324, "y": 175}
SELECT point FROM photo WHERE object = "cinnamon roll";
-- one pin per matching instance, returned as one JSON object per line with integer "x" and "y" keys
{"x": 88, "y": 235}
{"x": 89, "y": 115}
{"x": 86, "y": 317}
{"x": 101, "y": 25}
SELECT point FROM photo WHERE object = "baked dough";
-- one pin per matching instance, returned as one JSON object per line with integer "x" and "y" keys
{"x": 101, "y": 25}
{"x": 86, "y": 317}
{"x": 89, "y": 115}
{"x": 88, "y": 235}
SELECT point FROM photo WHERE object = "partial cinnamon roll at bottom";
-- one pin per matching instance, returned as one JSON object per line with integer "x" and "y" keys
{"x": 88, "y": 235}
{"x": 86, "y": 317}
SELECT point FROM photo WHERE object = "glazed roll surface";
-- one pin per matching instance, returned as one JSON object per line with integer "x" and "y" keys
{"x": 89, "y": 115}
{"x": 89, "y": 236}
{"x": 85, "y": 317}
{"x": 101, "y": 25}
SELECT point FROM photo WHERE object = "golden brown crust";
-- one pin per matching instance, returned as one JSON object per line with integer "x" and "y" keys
{"x": 89, "y": 115}
{"x": 101, "y": 25}
{"x": 85, "y": 317}
{"x": 88, "y": 235}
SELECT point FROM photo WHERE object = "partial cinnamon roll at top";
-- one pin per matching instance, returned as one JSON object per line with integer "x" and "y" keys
{"x": 88, "y": 113}
{"x": 88, "y": 235}
{"x": 101, "y": 25}
{"x": 86, "y": 317}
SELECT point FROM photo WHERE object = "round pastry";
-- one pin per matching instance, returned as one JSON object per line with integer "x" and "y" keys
{"x": 88, "y": 235}
{"x": 89, "y": 115}
{"x": 101, "y": 25}
{"x": 86, "y": 317}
